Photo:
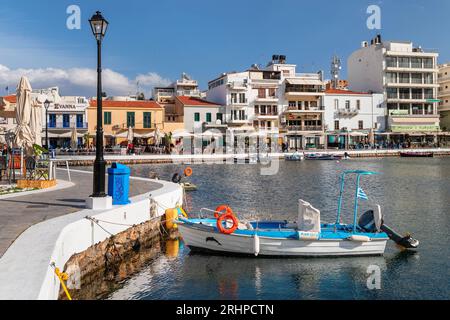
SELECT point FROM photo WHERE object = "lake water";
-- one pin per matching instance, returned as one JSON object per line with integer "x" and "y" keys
{"x": 415, "y": 197}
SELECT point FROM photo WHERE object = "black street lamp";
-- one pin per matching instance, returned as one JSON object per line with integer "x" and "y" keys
{"x": 99, "y": 26}
{"x": 46, "y": 105}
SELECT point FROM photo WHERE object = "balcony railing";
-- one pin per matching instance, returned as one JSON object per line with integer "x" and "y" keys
{"x": 304, "y": 90}
{"x": 67, "y": 125}
{"x": 345, "y": 111}
{"x": 297, "y": 108}
{"x": 304, "y": 128}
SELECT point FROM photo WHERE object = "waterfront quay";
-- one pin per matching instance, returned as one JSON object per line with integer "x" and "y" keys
{"x": 41, "y": 228}
{"x": 86, "y": 160}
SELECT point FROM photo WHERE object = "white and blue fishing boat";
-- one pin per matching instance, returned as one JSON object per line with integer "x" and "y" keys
{"x": 296, "y": 156}
{"x": 307, "y": 237}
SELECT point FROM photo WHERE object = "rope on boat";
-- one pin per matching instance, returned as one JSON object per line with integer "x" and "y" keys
{"x": 62, "y": 276}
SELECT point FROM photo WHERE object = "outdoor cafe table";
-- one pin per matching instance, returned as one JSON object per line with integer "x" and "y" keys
{"x": 52, "y": 163}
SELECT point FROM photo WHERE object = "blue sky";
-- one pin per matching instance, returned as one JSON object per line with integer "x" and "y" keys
{"x": 155, "y": 41}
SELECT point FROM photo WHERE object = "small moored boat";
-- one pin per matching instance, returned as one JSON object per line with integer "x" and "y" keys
{"x": 296, "y": 156}
{"x": 416, "y": 154}
{"x": 224, "y": 233}
{"x": 322, "y": 156}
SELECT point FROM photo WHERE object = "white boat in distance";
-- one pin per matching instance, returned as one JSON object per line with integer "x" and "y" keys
{"x": 307, "y": 237}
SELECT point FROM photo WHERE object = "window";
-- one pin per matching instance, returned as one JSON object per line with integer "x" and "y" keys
{"x": 403, "y": 62}
{"x": 272, "y": 92}
{"x": 197, "y": 116}
{"x": 428, "y": 93}
{"x": 234, "y": 98}
{"x": 130, "y": 119}
{"x": 147, "y": 120}
{"x": 428, "y": 63}
{"x": 391, "y": 62}
{"x": 404, "y": 77}
{"x": 292, "y": 103}
{"x": 261, "y": 93}
{"x": 256, "y": 109}
{"x": 416, "y": 93}
{"x": 208, "y": 117}
{"x": 360, "y": 125}
{"x": 416, "y": 78}
{"x": 404, "y": 93}
{"x": 336, "y": 125}
{"x": 219, "y": 116}
{"x": 347, "y": 104}
{"x": 107, "y": 117}
{"x": 392, "y": 93}
{"x": 391, "y": 77}
{"x": 336, "y": 104}
{"x": 428, "y": 78}
{"x": 416, "y": 63}
{"x": 79, "y": 121}
{"x": 66, "y": 121}
{"x": 51, "y": 120}
{"x": 358, "y": 104}
{"x": 242, "y": 98}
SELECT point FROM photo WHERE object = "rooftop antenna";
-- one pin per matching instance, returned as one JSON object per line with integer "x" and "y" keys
{"x": 335, "y": 70}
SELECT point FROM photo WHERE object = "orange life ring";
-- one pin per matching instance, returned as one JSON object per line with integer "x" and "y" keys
{"x": 222, "y": 209}
{"x": 226, "y": 217}
{"x": 188, "y": 172}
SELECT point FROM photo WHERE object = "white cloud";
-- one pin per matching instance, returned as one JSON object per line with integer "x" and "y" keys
{"x": 81, "y": 81}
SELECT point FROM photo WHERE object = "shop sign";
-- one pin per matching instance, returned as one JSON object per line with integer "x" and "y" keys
{"x": 414, "y": 128}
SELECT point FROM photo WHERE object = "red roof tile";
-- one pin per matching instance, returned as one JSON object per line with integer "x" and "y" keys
{"x": 127, "y": 104}
{"x": 340, "y": 91}
{"x": 197, "y": 102}
{"x": 10, "y": 98}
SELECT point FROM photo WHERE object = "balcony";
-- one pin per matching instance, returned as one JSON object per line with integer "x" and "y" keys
{"x": 348, "y": 112}
{"x": 296, "y": 109}
{"x": 235, "y": 85}
{"x": 239, "y": 103}
{"x": 304, "y": 128}
{"x": 273, "y": 99}
{"x": 67, "y": 125}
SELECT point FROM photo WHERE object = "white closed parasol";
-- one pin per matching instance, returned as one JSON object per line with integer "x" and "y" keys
{"x": 74, "y": 139}
{"x": 36, "y": 122}
{"x": 24, "y": 136}
{"x": 130, "y": 135}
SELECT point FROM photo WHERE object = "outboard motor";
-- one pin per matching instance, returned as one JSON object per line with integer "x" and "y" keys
{"x": 372, "y": 222}
{"x": 176, "y": 178}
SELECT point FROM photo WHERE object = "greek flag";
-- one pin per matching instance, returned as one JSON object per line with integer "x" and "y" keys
{"x": 362, "y": 194}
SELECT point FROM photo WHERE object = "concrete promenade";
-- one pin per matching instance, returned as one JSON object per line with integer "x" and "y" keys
{"x": 18, "y": 213}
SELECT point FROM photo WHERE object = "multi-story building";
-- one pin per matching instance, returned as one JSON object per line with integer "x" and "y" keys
{"x": 119, "y": 114}
{"x": 166, "y": 97}
{"x": 7, "y": 115}
{"x": 444, "y": 96}
{"x": 196, "y": 113}
{"x": 64, "y": 114}
{"x": 351, "y": 115}
{"x": 273, "y": 99}
{"x": 407, "y": 76}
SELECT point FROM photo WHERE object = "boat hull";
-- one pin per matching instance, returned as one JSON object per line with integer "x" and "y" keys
{"x": 207, "y": 239}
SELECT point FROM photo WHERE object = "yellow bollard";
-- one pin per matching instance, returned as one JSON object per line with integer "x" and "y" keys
{"x": 171, "y": 216}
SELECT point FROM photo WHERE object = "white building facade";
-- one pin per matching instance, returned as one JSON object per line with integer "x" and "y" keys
{"x": 444, "y": 96}
{"x": 64, "y": 114}
{"x": 407, "y": 77}
{"x": 274, "y": 100}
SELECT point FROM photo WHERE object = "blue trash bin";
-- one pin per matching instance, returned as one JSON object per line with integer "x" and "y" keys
{"x": 119, "y": 183}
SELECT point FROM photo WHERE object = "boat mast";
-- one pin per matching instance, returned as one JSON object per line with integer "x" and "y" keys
{"x": 341, "y": 195}
{"x": 355, "y": 213}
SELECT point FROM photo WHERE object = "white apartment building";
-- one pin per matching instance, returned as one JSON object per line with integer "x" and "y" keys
{"x": 352, "y": 112}
{"x": 274, "y": 99}
{"x": 406, "y": 75}
{"x": 444, "y": 96}
{"x": 64, "y": 114}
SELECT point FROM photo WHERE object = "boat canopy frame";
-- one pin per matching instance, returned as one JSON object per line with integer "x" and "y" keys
{"x": 358, "y": 173}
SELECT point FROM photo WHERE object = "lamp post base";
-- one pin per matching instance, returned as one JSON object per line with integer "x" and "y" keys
{"x": 99, "y": 203}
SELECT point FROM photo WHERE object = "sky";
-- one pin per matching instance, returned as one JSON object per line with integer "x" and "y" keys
{"x": 153, "y": 42}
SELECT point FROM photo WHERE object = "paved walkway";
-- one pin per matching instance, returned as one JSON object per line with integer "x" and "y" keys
{"x": 19, "y": 213}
